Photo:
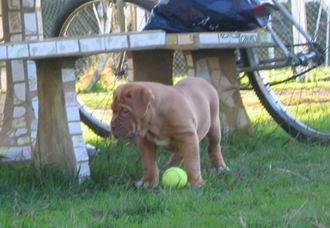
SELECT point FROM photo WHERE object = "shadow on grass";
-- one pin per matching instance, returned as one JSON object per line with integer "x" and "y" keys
{"x": 120, "y": 163}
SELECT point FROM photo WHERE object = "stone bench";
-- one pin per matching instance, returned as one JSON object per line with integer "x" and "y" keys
{"x": 50, "y": 87}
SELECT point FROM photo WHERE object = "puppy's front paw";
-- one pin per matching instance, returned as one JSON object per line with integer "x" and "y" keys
{"x": 145, "y": 183}
{"x": 222, "y": 169}
{"x": 196, "y": 182}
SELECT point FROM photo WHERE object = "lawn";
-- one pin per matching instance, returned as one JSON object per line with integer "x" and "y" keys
{"x": 274, "y": 181}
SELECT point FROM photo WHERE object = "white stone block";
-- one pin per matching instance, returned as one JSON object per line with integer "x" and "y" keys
{"x": 70, "y": 99}
{"x": 19, "y": 111}
{"x": 116, "y": 42}
{"x": 1, "y": 23}
{"x": 33, "y": 135}
{"x": 23, "y": 141}
{"x": 208, "y": 38}
{"x": 39, "y": 19}
{"x": 231, "y": 38}
{"x": 32, "y": 76}
{"x": 72, "y": 113}
{"x": 3, "y": 52}
{"x": 248, "y": 38}
{"x": 3, "y": 149}
{"x": 18, "y": 123}
{"x": 81, "y": 154}
{"x": 91, "y": 45}
{"x": 21, "y": 131}
{"x": 43, "y": 49}
{"x": 67, "y": 46}
{"x": 34, "y": 125}
{"x": 35, "y": 107}
{"x": 20, "y": 91}
{"x": 17, "y": 67}
{"x": 74, "y": 128}
{"x": 84, "y": 170}
{"x": 78, "y": 141}
{"x": 27, "y": 153}
{"x": 68, "y": 75}
{"x": 14, "y": 153}
{"x": 16, "y": 51}
{"x": 147, "y": 39}
{"x": 3, "y": 79}
{"x": 30, "y": 23}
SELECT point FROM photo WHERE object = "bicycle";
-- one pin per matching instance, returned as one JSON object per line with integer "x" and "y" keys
{"x": 289, "y": 98}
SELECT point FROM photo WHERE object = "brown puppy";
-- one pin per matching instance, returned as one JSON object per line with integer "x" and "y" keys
{"x": 176, "y": 117}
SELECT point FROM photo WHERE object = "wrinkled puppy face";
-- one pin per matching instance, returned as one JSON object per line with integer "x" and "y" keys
{"x": 129, "y": 106}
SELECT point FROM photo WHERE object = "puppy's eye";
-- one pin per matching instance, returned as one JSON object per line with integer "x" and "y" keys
{"x": 125, "y": 111}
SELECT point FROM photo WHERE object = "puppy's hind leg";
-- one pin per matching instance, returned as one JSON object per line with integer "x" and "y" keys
{"x": 214, "y": 149}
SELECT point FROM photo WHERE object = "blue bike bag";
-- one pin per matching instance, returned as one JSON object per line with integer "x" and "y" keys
{"x": 207, "y": 15}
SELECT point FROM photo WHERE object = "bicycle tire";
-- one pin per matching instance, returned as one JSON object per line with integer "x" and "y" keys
{"x": 96, "y": 125}
{"x": 288, "y": 122}
{"x": 296, "y": 97}
{"x": 72, "y": 5}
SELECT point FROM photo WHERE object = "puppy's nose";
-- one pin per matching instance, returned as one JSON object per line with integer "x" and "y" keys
{"x": 115, "y": 127}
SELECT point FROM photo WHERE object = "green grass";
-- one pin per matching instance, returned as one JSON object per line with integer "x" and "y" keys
{"x": 274, "y": 181}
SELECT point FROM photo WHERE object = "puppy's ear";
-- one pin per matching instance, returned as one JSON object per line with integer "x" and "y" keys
{"x": 141, "y": 99}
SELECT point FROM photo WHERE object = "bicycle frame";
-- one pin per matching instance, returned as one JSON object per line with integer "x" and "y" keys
{"x": 304, "y": 58}
{"x": 310, "y": 55}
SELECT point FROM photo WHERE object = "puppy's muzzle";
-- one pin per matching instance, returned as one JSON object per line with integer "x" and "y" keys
{"x": 119, "y": 131}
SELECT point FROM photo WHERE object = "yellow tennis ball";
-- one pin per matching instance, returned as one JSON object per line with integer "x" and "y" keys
{"x": 174, "y": 177}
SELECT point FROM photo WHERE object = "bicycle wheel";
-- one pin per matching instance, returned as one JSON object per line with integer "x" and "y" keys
{"x": 298, "y": 98}
{"x": 87, "y": 17}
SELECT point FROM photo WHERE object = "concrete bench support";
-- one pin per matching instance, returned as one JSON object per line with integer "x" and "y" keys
{"x": 59, "y": 139}
{"x": 18, "y": 124}
{"x": 219, "y": 68}
{"x": 39, "y": 112}
{"x": 54, "y": 144}
{"x": 216, "y": 66}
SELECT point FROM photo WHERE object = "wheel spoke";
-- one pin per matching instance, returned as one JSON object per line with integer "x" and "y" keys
{"x": 97, "y": 74}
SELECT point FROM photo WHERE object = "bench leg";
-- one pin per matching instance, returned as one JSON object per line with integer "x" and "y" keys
{"x": 59, "y": 139}
{"x": 219, "y": 68}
